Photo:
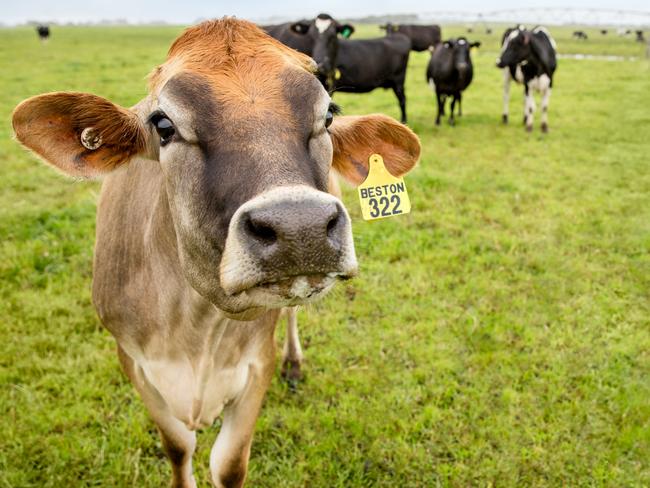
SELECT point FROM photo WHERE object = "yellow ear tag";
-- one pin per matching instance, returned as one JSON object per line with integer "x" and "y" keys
{"x": 337, "y": 74}
{"x": 381, "y": 194}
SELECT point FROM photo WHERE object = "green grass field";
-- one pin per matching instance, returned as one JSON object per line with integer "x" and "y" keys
{"x": 499, "y": 335}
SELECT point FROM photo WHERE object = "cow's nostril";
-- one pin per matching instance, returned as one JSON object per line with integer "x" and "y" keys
{"x": 332, "y": 224}
{"x": 261, "y": 231}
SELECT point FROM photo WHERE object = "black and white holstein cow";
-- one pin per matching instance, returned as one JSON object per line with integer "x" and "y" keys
{"x": 422, "y": 37}
{"x": 43, "y": 32}
{"x": 528, "y": 57}
{"x": 317, "y": 38}
{"x": 214, "y": 214}
{"x": 449, "y": 72}
{"x": 367, "y": 64}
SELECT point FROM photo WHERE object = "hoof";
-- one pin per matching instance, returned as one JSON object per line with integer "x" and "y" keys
{"x": 291, "y": 372}
{"x": 452, "y": 122}
{"x": 529, "y": 128}
{"x": 504, "y": 118}
{"x": 545, "y": 128}
{"x": 438, "y": 122}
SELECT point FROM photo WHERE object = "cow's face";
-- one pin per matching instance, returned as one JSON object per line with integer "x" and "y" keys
{"x": 324, "y": 32}
{"x": 246, "y": 138}
{"x": 461, "y": 49}
{"x": 516, "y": 48}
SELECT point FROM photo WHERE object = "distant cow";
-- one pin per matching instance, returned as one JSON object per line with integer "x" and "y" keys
{"x": 449, "y": 72}
{"x": 317, "y": 38}
{"x": 214, "y": 213}
{"x": 374, "y": 63}
{"x": 622, "y": 32}
{"x": 639, "y": 36}
{"x": 43, "y": 32}
{"x": 580, "y": 35}
{"x": 488, "y": 30}
{"x": 422, "y": 36}
{"x": 603, "y": 32}
{"x": 528, "y": 57}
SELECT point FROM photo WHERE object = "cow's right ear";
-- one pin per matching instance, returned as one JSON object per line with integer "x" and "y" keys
{"x": 82, "y": 135}
{"x": 346, "y": 30}
{"x": 356, "y": 138}
{"x": 300, "y": 27}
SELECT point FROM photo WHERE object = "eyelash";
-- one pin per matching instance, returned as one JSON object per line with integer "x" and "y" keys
{"x": 335, "y": 109}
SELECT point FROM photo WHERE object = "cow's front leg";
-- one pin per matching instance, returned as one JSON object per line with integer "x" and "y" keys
{"x": 292, "y": 352}
{"x": 452, "y": 120}
{"x": 545, "y": 86}
{"x": 546, "y": 98}
{"x": 529, "y": 108}
{"x": 230, "y": 452}
{"x": 398, "y": 88}
{"x": 506, "y": 94}
{"x": 178, "y": 441}
{"x": 441, "y": 107}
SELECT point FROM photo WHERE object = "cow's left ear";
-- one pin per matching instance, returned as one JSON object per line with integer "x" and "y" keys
{"x": 475, "y": 44}
{"x": 346, "y": 30}
{"x": 356, "y": 138}
{"x": 81, "y": 134}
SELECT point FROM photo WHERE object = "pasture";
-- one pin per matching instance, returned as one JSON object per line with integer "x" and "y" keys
{"x": 499, "y": 335}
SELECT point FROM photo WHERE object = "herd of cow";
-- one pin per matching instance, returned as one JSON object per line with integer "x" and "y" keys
{"x": 363, "y": 65}
{"x": 360, "y": 66}
{"x": 639, "y": 36}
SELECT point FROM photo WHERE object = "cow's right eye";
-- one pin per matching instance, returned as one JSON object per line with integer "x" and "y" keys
{"x": 164, "y": 127}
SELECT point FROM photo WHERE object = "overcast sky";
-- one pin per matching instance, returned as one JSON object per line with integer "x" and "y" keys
{"x": 187, "y": 11}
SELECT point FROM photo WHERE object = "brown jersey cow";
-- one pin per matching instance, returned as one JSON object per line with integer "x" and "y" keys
{"x": 213, "y": 215}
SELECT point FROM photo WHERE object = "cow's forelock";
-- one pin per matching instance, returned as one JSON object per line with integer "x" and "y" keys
{"x": 322, "y": 24}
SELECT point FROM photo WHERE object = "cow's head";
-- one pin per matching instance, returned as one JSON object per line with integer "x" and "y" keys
{"x": 245, "y": 138}
{"x": 324, "y": 32}
{"x": 461, "y": 51}
{"x": 457, "y": 52}
{"x": 515, "y": 47}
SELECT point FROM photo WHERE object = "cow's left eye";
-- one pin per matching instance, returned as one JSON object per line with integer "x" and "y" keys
{"x": 333, "y": 110}
{"x": 163, "y": 126}
{"x": 329, "y": 118}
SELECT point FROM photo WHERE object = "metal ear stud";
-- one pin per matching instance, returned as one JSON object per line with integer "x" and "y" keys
{"x": 90, "y": 138}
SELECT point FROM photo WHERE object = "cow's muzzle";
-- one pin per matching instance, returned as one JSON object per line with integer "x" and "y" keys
{"x": 287, "y": 246}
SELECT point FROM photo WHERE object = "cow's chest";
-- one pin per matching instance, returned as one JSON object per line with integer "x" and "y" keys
{"x": 519, "y": 74}
{"x": 196, "y": 383}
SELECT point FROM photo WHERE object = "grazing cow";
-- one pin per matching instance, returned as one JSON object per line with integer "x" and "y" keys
{"x": 639, "y": 36}
{"x": 603, "y": 32}
{"x": 422, "y": 36}
{"x": 528, "y": 57}
{"x": 374, "y": 63}
{"x": 317, "y": 38}
{"x": 213, "y": 215}
{"x": 43, "y": 32}
{"x": 449, "y": 72}
{"x": 581, "y": 35}
{"x": 622, "y": 32}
